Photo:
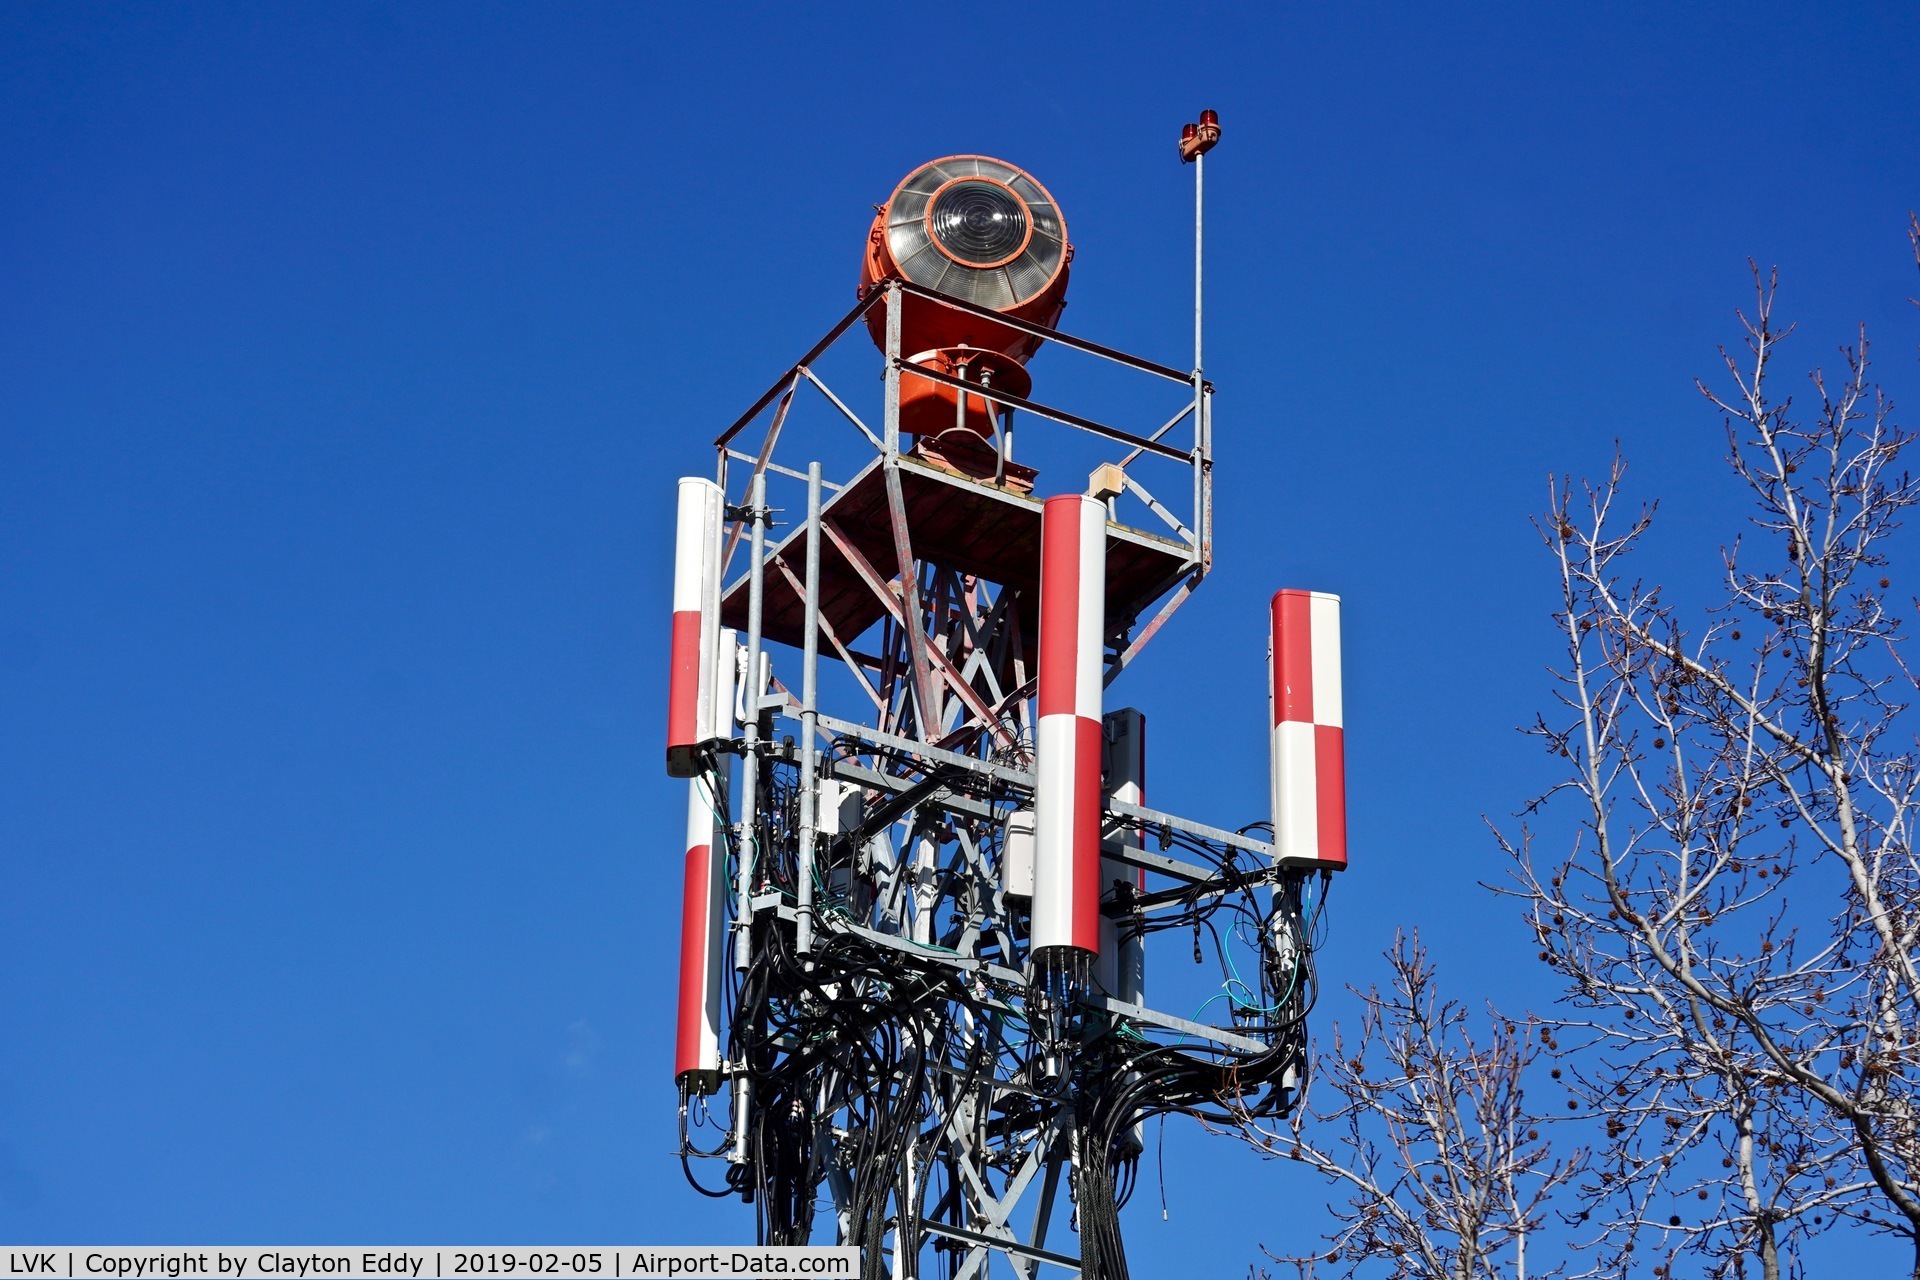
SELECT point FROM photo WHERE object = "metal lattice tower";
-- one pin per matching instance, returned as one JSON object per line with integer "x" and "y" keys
{"x": 870, "y": 1046}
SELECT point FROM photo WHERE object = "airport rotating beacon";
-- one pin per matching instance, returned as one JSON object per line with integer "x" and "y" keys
{"x": 920, "y": 879}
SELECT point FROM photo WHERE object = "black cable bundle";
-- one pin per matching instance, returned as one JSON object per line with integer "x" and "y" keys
{"x": 885, "y": 1042}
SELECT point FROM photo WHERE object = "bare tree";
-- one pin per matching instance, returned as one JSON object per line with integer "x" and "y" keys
{"x": 1444, "y": 1167}
{"x": 1737, "y": 916}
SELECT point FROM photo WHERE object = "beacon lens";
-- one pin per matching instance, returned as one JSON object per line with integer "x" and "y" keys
{"x": 979, "y": 223}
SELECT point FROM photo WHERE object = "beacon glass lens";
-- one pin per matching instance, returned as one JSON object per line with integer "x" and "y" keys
{"x": 985, "y": 244}
{"x": 983, "y": 288}
{"x": 1029, "y": 273}
{"x": 979, "y": 222}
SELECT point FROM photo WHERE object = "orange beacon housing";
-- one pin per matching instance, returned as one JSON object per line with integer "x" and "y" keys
{"x": 982, "y": 231}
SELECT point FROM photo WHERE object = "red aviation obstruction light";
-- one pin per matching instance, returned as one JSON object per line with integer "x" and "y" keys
{"x": 984, "y": 232}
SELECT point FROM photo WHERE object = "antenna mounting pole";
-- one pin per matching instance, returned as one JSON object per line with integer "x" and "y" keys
{"x": 1195, "y": 141}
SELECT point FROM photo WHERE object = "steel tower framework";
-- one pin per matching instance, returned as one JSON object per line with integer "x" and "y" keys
{"x": 890, "y": 1048}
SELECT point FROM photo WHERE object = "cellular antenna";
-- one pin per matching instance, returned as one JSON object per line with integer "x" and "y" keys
{"x": 924, "y": 886}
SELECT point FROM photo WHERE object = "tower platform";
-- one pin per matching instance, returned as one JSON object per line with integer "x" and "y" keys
{"x": 972, "y": 526}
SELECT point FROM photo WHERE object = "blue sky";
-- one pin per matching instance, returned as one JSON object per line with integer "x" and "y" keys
{"x": 348, "y": 354}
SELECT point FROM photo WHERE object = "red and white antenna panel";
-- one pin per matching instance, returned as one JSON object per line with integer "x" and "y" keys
{"x": 1067, "y": 800}
{"x": 693, "y": 714}
{"x": 1309, "y": 754}
{"x": 704, "y": 893}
